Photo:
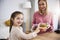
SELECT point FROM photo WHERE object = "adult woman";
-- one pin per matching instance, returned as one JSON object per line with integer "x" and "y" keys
{"x": 43, "y": 16}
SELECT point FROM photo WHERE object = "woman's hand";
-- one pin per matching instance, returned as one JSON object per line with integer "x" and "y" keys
{"x": 37, "y": 29}
{"x": 43, "y": 29}
{"x": 34, "y": 27}
{"x": 43, "y": 26}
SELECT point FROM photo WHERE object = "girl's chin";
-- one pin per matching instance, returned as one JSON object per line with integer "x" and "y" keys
{"x": 19, "y": 24}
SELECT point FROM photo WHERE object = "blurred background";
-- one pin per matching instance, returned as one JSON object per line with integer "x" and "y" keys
{"x": 28, "y": 7}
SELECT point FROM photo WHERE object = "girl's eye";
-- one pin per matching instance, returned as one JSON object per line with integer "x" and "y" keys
{"x": 18, "y": 18}
{"x": 42, "y": 3}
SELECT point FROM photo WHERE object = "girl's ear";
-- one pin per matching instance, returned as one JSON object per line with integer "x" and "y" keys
{"x": 11, "y": 19}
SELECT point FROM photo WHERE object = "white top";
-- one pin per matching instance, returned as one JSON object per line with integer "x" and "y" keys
{"x": 17, "y": 33}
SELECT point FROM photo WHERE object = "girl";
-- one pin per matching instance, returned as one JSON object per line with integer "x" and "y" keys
{"x": 16, "y": 30}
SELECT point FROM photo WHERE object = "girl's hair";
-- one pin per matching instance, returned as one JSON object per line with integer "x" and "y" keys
{"x": 13, "y": 15}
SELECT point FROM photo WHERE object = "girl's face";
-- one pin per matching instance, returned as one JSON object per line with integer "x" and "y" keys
{"x": 18, "y": 20}
{"x": 42, "y": 5}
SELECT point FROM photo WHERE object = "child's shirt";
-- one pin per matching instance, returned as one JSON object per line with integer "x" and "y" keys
{"x": 17, "y": 33}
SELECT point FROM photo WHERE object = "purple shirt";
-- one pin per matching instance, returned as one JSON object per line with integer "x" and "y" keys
{"x": 38, "y": 18}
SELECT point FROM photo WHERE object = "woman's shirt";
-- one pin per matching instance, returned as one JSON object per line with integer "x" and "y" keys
{"x": 38, "y": 18}
{"x": 17, "y": 33}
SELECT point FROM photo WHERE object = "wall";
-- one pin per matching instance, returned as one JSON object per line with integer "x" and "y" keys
{"x": 9, "y": 6}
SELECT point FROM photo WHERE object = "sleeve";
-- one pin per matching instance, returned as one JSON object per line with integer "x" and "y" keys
{"x": 21, "y": 34}
{"x": 51, "y": 24}
{"x": 34, "y": 19}
{"x": 50, "y": 27}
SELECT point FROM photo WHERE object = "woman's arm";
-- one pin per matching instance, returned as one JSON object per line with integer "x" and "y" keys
{"x": 51, "y": 24}
{"x": 34, "y": 19}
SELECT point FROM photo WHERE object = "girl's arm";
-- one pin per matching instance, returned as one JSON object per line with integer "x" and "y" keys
{"x": 21, "y": 34}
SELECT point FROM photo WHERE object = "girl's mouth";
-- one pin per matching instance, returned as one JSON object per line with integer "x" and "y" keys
{"x": 19, "y": 22}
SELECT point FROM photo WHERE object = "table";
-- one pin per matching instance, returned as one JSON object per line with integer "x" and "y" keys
{"x": 47, "y": 36}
